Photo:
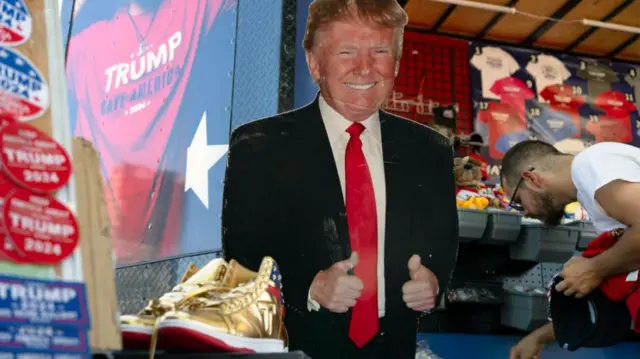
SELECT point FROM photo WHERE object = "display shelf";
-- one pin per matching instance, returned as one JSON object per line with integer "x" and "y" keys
{"x": 539, "y": 243}
{"x": 472, "y": 224}
{"x": 502, "y": 228}
{"x": 163, "y": 355}
{"x": 524, "y": 308}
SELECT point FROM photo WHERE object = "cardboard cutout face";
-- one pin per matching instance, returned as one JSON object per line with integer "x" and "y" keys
{"x": 355, "y": 65}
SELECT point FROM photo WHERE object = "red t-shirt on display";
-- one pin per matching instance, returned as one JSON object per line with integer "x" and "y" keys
{"x": 129, "y": 93}
{"x": 606, "y": 129}
{"x": 502, "y": 120}
{"x": 617, "y": 108}
{"x": 561, "y": 98}
{"x": 514, "y": 92}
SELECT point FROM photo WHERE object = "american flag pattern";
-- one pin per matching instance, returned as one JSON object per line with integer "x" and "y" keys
{"x": 23, "y": 90}
{"x": 549, "y": 287}
{"x": 15, "y": 22}
{"x": 275, "y": 284}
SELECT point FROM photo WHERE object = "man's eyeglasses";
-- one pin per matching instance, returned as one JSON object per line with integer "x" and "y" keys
{"x": 513, "y": 203}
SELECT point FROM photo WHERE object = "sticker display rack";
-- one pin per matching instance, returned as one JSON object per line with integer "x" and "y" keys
{"x": 56, "y": 260}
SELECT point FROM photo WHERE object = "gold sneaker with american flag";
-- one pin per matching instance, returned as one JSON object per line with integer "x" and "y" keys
{"x": 137, "y": 329}
{"x": 249, "y": 318}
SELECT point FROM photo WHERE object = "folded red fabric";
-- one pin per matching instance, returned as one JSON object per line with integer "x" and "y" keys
{"x": 619, "y": 287}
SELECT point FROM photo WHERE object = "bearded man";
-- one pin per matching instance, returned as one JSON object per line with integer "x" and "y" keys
{"x": 605, "y": 179}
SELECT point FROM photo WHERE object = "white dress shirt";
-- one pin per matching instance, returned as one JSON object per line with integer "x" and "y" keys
{"x": 336, "y": 126}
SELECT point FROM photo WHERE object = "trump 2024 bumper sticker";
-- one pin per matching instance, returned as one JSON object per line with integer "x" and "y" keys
{"x": 15, "y": 22}
{"x": 43, "y": 339}
{"x": 6, "y": 120}
{"x": 40, "y": 228}
{"x": 39, "y": 302}
{"x": 7, "y": 249}
{"x": 24, "y": 92}
{"x": 33, "y": 159}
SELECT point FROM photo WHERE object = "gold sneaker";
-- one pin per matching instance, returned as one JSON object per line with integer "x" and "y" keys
{"x": 137, "y": 329}
{"x": 249, "y": 318}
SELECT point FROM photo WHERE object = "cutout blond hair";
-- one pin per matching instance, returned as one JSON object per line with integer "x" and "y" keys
{"x": 386, "y": 13}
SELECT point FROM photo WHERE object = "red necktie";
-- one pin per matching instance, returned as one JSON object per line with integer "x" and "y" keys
{"x": 363, "y": 232}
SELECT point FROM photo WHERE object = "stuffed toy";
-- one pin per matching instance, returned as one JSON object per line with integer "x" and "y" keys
{"x": 574, "y": 212}
{"x": 471, "y": 193}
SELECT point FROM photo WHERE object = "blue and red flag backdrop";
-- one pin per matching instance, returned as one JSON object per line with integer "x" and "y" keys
{"x": 567, "y": 101}
{"x": 150, "y": 85}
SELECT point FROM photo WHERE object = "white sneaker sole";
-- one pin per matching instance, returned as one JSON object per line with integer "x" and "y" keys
{"x": 223, "y": 341}
{"x": 136, "y": 329}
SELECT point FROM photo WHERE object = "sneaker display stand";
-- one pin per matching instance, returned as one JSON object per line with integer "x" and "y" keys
{"x": 163, "y": 355}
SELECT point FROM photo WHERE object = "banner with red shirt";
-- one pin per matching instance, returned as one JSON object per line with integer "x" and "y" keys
{"x": 564, "y": 100}
{"x": 150, "y": 86}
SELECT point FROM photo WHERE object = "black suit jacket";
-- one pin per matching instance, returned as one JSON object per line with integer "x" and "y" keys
{"x": 283, "y": 198}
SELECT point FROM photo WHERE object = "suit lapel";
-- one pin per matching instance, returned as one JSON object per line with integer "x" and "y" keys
{"x": 322, "y": 182}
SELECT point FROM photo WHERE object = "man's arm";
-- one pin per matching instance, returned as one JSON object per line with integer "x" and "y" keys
{"x": 530, "y": 346}
{"x": 621, "y": 201}
{"x": 545, "y": 334}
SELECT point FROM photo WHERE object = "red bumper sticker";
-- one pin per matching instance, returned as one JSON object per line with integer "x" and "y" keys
{"x": 42, "y": 229}
{"x": 32, "y": 159}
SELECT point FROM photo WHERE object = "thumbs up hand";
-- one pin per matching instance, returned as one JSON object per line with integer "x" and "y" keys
{"x": 420, "y": 292}
{"x": 335, "y": 289}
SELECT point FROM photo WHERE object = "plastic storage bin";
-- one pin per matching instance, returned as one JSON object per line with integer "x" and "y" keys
{"x": 502, "y": 228}
{"x": 539, "y": 243}
{"x": 472, "y": 224}
{"x": 587, "y": 234}
{"x": 523, "y": 308}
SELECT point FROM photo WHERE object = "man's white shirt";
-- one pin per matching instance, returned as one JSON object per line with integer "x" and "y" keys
{"x": 598, "y": 166}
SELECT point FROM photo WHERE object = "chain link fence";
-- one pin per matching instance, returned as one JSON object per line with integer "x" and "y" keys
{"x": 136, "y": 284}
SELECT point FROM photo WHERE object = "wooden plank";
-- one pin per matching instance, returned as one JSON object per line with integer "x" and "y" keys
{"x": 631, "y": 53}
{"x": 603, "y": 41}
{"x": 516, "y": 28}
{"x": 622, "y": 47}
{"x": 424, "y": 13}
{"x": 470, "y": 21}
{"x": 96, "y": 247}
{"x": 36, "y": 51}
{"x": 548, "y": 23}
{"x": 562, "y": 34}
{"x": 575, "y": 43}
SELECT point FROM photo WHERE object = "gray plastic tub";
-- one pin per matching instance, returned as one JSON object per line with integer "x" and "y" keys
{"x": 539, "y": 243}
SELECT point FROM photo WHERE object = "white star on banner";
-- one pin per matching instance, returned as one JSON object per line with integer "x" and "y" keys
{"x": 200, "y": 158}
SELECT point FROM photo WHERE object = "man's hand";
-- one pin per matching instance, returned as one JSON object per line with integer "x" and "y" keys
{"x": 335, "y": 289}
{"x": 580, "y": 276}
{"x": 421, "y": 291}
{"x": 528, "y": 348}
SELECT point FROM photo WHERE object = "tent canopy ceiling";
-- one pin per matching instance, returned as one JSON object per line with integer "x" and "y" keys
{"x": 535, "y": 31}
